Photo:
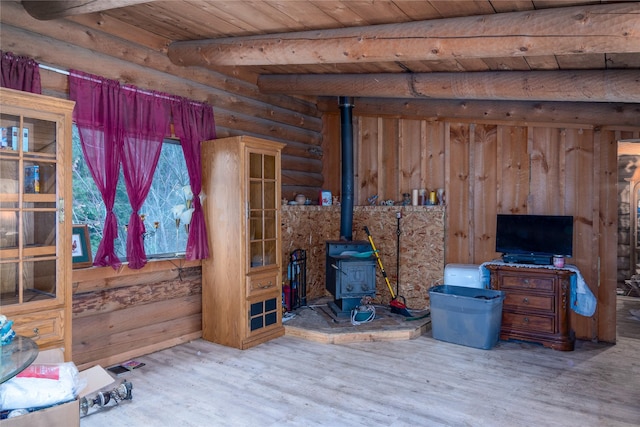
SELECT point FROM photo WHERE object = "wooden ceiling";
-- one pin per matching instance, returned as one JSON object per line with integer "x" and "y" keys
{"x": 296, "y": 47}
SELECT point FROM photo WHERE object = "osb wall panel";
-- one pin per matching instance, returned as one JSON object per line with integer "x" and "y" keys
{"x": 421, "y": 245}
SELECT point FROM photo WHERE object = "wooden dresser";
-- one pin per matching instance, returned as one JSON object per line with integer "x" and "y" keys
{"x": 536, "y": 306}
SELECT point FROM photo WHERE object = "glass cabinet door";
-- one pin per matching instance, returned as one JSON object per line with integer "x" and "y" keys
{"x": 28, "y": 209}
{"x": 263, "y": 209}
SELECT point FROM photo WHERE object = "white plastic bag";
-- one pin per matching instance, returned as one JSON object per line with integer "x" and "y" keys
{"x": 40, "y": 385}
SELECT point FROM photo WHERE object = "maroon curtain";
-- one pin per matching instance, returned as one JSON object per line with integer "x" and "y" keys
{"x": 96, "y": 114}
{"x": 193, "y": 123}
{"x": 122, "y": 124}
{"x": 20, "y": 73}
{"x": 145, "y": 124}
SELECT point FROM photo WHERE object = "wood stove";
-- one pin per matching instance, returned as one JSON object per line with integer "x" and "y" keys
{"x": 349, "y": 278}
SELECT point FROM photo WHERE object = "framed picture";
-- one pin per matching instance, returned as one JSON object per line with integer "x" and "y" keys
{"x": 81, "y": 246}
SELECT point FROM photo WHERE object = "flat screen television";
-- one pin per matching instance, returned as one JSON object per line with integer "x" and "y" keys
{"x": 534, "y": 235}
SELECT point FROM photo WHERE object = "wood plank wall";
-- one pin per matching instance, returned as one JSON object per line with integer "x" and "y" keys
{"x": 490, "y": 167}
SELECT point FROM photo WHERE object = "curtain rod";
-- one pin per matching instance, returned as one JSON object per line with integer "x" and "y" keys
{"x": 169, "y": 97}
{"x": 55, "y": 70}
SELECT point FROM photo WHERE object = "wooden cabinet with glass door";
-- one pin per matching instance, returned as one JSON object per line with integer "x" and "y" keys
{"x": 241, "y": 291}
{"x": 35, "y": 196}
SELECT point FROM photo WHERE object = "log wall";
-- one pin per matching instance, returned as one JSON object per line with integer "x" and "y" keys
{"x": 121, "y": 314}
{"x": 91, "y": 44}
{"x": 488, "y": 167}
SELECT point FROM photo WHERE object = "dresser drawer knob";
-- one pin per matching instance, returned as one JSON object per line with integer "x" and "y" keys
{"x": 36, "y": 334}
{"x": 525, "y": 300}
{"x": 526, "y": 320}
{"x": 526, "y": 282}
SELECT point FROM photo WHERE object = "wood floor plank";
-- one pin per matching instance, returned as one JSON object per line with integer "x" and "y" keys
{"x": 421, "y": 382}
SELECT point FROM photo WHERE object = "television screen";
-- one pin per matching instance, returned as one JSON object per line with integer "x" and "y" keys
{"x": 535, "y": 234}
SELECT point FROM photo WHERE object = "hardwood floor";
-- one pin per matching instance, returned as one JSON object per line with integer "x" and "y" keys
{"x": 421, "y": 382}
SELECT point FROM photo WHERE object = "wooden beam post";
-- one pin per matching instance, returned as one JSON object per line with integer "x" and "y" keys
{"x": 607, "y": 28}
{"x": 573, "y": 86}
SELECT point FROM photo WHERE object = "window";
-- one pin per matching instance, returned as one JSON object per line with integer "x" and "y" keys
{"x": 166, "y": 211}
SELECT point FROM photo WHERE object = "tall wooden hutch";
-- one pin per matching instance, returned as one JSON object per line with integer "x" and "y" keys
{"x": 241, "y": 279}
{"x": 35, "y": 217}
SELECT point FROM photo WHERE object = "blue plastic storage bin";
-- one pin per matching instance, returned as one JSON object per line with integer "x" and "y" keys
{"x": 466, "y": 316}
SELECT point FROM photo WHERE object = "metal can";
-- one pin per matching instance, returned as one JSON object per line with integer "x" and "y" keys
{"x": 433, "y": 199}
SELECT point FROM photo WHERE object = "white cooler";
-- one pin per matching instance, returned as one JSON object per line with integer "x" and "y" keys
{"x": 464, "y": 275}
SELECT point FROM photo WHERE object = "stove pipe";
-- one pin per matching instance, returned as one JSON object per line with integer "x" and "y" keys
{"x": 346, "y": 133}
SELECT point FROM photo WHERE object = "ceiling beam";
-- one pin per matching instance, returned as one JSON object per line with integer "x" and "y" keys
{"x": 46, "y": 10}
{"x": 518, "y": 113}
{"x": 574, "y": 86}
{"x": 607, "y": 28}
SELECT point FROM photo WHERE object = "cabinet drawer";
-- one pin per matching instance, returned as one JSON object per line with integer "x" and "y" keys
{"x": 529, "y": 283}
{"x": 45, "y": 327}
{"x": 528, "y": 322}
{"x": 262, "y": 283}
{"x": 520, "y": 301}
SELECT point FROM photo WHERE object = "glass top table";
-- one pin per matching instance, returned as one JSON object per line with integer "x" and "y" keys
{"x": 16, "y": 356}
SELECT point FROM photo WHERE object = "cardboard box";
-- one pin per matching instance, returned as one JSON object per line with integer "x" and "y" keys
{"x": 66, "y": 414}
